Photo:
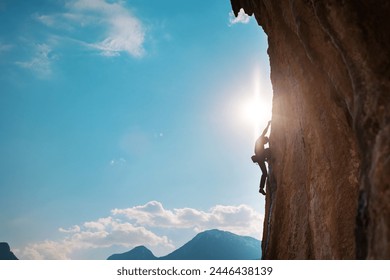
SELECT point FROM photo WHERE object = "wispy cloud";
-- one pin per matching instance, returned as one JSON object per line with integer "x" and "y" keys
{"x": 70, "y": 230}
{"x": 5, "y": 47}
{"x": 48, "y": 20}
{"x": 138, "y": 225}
{"x": 118, "y": 162}
{"x": 41, "y": 61}
{"x": 119, "y": 30}
{"x": 125, "y": 34}
{"x": 104, "y": 26}
{"x": 242, "y": 17}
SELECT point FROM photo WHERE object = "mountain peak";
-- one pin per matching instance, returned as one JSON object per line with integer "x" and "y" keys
{"x": 216, "y": 244}
{"x": 5, "y": 252}
{"x": 211, "y": 244}
{"x": 217, "y": 233}
{"x": 137, "y": 253}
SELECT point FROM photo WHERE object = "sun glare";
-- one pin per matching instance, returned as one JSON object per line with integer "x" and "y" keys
{"x": 256, "y": 110}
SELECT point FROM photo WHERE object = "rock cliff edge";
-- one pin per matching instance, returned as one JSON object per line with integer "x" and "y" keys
{"x": 329, "y": 185}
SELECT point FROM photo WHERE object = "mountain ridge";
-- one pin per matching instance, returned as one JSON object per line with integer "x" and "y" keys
{"x": 137, "y": 253}
{"x": 208, "y": 245}
{"x": 5, "y": 252}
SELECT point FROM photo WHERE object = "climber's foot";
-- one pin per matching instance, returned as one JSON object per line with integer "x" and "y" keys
{"x": 262, "y": 191}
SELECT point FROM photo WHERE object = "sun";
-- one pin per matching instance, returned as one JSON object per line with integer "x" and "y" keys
{"x": 256, "y": 112}
{"x": 253, "y": 108}
{"x": 253, "y": 112}
{"x": 256, "y": 109}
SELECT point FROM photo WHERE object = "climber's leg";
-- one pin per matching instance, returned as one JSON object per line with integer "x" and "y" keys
{"x": 263, "y": 176}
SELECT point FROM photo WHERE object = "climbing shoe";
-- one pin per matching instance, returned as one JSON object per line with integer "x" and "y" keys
{"x": 262, "y": 191}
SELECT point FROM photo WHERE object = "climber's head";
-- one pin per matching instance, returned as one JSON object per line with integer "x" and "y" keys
{"x": 266, "y": 140}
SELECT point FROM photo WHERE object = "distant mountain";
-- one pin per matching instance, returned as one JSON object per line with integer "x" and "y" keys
{"x": 138, "y": 253}
{"x": 5, "y": 252}
{"x": 217, "y": 245}
{"x": 208, "y": 245}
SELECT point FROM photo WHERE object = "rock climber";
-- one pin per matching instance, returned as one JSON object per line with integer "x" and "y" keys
{"x": 261, "y": 156}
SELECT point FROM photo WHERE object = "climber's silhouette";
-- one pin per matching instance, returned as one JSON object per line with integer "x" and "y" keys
{"x": 261, "y": 156}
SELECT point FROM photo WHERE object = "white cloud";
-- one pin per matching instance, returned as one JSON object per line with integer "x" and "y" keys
{"x": 102, "y": 233}
{"x": 46, "y": 250}
{"x": 242, "y": 17}
{"x": 41, "y": 61}
{"x": 139, "y": 225}
{"x": 239, "y": 219}
{"x": 97, "y": 5}
{"x": 70, "y": 230}
{"x": 119, "y": 30}
{"x": 125, "y": 34}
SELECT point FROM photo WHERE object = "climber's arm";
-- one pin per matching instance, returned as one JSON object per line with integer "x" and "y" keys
{"x": 266, "y": 129}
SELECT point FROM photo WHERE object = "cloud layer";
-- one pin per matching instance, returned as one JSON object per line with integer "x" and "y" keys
{"x": 239, "y": 219}
{"x": 118, "y": 30}
{"x": 103, "y": 26}
{"x": 142, "y": 225}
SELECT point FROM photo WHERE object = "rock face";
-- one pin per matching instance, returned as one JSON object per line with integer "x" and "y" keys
{"x": 5, "y": 252}
{"x": 329, "y": 185}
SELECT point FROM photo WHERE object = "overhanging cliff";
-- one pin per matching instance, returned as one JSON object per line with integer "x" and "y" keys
{"x": 329, "y": 185}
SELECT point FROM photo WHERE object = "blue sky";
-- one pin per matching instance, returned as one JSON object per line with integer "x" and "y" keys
{"x": 126, "y": 122}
